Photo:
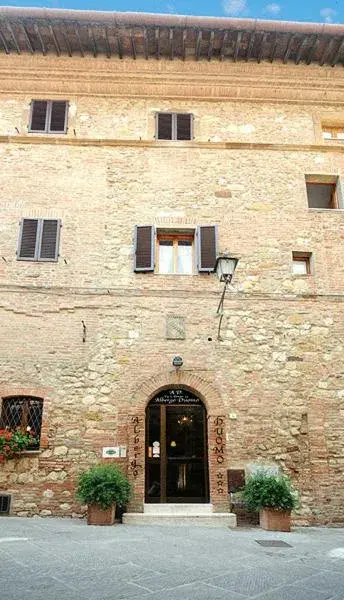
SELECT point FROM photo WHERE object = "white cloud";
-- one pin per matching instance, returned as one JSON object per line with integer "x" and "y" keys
{"x": 234, "y": 8}
{"x": 328, "y": 14}
{"x": 273, "y": 9}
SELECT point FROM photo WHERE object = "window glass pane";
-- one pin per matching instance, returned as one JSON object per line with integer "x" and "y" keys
{"x": 184, "y": 258}
{"x": 327, "y": 135}
{"x": 300, "y": 267}
{"x": 165, "y": 257}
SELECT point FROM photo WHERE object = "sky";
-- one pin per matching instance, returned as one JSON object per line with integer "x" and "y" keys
{"x": 321, "y": 11}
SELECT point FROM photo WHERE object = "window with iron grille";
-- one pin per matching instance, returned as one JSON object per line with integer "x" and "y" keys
{"x": 39, "y": 239}
{"x": 23, "y": 412}
{"x": 174, "y": 126}
{"x": 48, "y": 116}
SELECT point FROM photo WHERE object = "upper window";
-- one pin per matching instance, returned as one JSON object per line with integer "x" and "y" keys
{"x": 301, "y": 263}
{"x": 175, "y": 254}
{"x": 333, "y": 133}
{"x": 39, "y": 239}
{"x": 174, "y": 126}
{"x": 323, "y": 192}
{"x": 176, "y": 251}
{"x": 24, "y": 412}
{"x": 48, "y": 116}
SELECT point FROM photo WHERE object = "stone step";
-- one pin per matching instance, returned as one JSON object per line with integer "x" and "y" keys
{"x": 176, "y": 509}
{"x": 205, "y": 520}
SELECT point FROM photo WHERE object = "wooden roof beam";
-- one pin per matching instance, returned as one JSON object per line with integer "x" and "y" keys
{"x": 77, "y": 33}
{"x": 198, "y": 44}
{"x": 93, "y": 40}
{"x": 184, "y": 44}
{"x": 261, "y": 49}
{"x": 54, "y": 38}
{"x": 145, "y": 43}
{"x": 312, "y": 50}
{"x": 4, "y": 43}
{"x": 119, "y": 45}
{"x": 132, "y": 44}
{"x": 211, "y": 45}
{"x": 237, "y": 45}
{"x": 223, "y": 45}
{"x": 171, "y": 44}
{"x": 288, "y": 48}
{"x": 157, "y": 43}
{"x": 326, "y": 52}
{"x": 27, "y": 39}
{"x": 41, "y": 41}
{"x": 274, "y": 48}
{"x": 303, "y": 43}
{"x": 250, "y": 46}
{"x": 338, "y": 53}
{"x": 12, "y": 34}
{"x": 107, "y": 42}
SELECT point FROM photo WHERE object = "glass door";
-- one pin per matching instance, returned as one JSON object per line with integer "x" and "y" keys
{"x": 176, "y": 451}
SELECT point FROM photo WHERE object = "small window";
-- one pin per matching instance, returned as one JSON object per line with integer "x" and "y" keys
{"x": 175, "y": 254}
{"x": 301, "y": 263}
{"x": 39, "y": 240}
{"x": 322, "y": 193}
{"x": 48, "y": 116}
{"x": 23, "y": 412}
{"x": 333, "y": 133}
{"x": 174, "y": 126}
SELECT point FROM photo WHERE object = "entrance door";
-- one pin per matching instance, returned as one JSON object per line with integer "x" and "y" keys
{"x": 176, "y": 448}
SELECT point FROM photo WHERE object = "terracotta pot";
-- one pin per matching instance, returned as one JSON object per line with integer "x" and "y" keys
{"x": 98, "y": 516}
{"x": 272, "y": 519}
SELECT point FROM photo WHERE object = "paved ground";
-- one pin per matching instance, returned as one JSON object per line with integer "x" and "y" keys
{"x": 64, "y": 559}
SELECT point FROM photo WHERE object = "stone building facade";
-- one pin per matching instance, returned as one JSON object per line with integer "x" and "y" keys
{"x": 95, "y": 340}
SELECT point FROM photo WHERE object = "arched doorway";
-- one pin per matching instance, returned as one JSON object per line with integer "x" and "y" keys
{"x": 176, "y": 463}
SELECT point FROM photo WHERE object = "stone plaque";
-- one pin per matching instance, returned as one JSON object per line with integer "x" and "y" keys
{"x": 175, "y": 328}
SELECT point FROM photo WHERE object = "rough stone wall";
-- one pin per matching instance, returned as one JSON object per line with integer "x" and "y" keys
{"x": 278, "y": 367}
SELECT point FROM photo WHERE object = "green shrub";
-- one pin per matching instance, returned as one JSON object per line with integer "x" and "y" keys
{"x": 263, "y": 490}
{"x": 103, "y": 485}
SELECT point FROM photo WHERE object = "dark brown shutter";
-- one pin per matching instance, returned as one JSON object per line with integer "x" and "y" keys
{"x": 164, "y": 126}
{"x": 184, "y": 127}
{"x": 28, "y": 239}
{"x": 49, "y": 239}
{"x": 38, "y": 115}
{"x": 207, "y": 247}
{"x": 144, "y": 248}
{"x": 58, "y": 116}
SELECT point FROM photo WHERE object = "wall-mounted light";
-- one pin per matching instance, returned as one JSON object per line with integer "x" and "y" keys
{"x": 177, "y": 362}
{"x": 224, "y": 268}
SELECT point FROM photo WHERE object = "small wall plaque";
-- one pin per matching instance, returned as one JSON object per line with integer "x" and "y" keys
{"x": 175, "y": 328}
{"x": 111, "y": 452}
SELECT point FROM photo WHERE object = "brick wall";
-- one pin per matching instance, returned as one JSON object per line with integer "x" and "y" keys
{"x": 276, "y": 374}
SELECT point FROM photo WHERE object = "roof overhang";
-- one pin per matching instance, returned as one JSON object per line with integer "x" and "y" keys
{"x": 144, "y": 35}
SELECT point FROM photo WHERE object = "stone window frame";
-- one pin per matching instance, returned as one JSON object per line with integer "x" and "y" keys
{"x": 328, "y": 180}
{"x": 305, "y": 257}
{"x": 34, "y": 392}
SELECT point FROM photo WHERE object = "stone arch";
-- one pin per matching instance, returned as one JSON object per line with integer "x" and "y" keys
{"x": 216, "y": 417}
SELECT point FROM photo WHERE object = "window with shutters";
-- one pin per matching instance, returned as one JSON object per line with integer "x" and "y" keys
{"x": 174, "y": 126}
{"x": 39, "y": 240}
{"x": 48, "y": 116}
{"x": 24, "y": 412}
{"x": 175, "y": 251}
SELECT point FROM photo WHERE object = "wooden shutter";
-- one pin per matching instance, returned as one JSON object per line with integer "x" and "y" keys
{"x": 28, "y": 241}
{"x": 58, "y": 117}
{"x": 144, "y": 248}
{"x": 38, "y": 115}
{"x": 164, "y": 126}
{"x": 207, "y": 247}
{"x": 184, "y": 127}
{"x": 48, "y": 249}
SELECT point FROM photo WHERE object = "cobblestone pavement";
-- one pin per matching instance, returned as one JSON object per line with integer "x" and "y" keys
{"x": 64, "y": 559}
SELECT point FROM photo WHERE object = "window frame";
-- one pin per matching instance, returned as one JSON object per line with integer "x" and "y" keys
{"x": 333, "y": 131}
{"x": 24, "y": 417}
{"x": 48, "y": 117}
{"x": 39, "y": 237}
{"x": 304, "y": 257}
{"x": 336, "y": 195}
{"x": 175, "y": 237}
{"x": 174, "y": 129}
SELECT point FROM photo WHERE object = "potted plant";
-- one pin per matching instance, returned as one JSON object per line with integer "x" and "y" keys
{"x": 274, "y": 498}
{"x": 101, "y": 488}
{"x": 13, "y": 442}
